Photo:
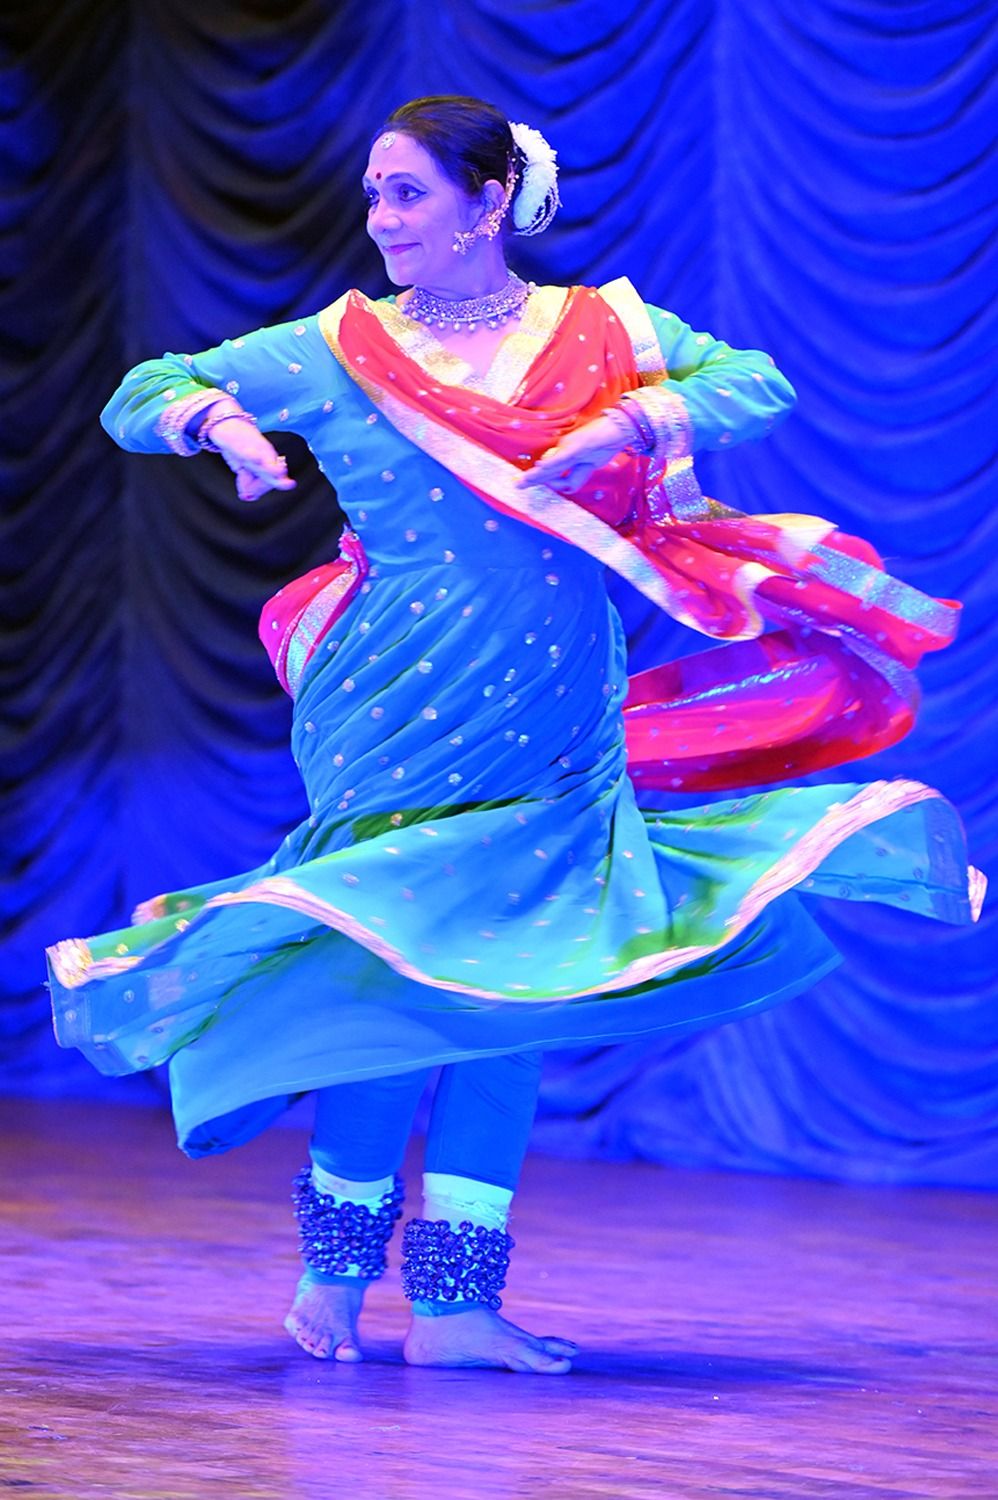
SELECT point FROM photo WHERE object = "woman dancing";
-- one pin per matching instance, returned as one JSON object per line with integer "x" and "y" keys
{"x": 477, "y": 880}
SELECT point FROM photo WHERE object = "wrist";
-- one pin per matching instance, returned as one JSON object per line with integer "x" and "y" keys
{"x": 611, "y": 429}
{"x": 641, "y": 432}
{"x": 660, "y": 412}
{"x": 183, "y": 413}
{"x": 220, "y": 413}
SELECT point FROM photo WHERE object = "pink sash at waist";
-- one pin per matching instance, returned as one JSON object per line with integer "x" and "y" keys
{"x": 295, "y": 620}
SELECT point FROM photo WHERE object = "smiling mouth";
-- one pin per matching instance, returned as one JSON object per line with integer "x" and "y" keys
{"x": 395, "y": 249}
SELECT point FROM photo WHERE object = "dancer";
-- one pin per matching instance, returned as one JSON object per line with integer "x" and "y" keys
{"x": 478, "y": 879}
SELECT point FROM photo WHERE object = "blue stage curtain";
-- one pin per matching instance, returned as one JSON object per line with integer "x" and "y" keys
{"x": 811, "y": 178}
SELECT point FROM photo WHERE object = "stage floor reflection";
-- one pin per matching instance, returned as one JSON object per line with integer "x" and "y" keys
{"x": 741, "y": 1335}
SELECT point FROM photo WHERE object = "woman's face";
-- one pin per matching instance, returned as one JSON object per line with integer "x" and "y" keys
{"x": 414, "y": 211}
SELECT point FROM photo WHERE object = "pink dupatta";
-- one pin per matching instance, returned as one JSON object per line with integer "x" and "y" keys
{"x": 819, "y": 640}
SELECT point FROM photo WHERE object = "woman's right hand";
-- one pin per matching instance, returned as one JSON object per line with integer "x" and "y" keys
{"x": 253, "y": 459}
{"x": 570, "y": 463}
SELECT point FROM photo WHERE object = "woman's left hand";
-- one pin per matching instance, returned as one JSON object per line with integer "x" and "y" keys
{"x": 567, "y": 466}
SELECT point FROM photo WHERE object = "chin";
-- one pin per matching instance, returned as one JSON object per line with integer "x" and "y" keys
{"x": 399, "y": 270}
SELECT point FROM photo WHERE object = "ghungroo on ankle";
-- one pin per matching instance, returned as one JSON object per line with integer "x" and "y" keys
{"x": 443, "y": 1264}
{"x": 337, "y": 1237}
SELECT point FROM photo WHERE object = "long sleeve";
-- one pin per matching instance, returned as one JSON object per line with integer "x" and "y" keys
{"x": 729, "y": 395}
{"x": 281, "y": 375}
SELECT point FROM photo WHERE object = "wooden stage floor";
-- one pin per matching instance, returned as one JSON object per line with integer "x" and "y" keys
{"x": 741, "y": 1336}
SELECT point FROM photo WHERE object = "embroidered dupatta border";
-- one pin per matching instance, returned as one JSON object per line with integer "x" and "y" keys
{"x": 512, "y": 362}
{"x": 622, "y": 298}
{"x": 496, "y": 481}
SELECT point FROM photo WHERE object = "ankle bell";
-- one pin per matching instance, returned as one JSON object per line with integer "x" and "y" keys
{"x": 337, "y": 1237}
{"x": 456, "y": 1266}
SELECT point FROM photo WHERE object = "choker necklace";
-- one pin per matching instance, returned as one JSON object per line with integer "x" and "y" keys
{"x": 492, "y": 310}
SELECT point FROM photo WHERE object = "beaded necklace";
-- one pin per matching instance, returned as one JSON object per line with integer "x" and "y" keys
{"x": 492, "y": 309}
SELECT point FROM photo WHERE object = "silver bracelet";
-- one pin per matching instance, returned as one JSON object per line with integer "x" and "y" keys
{"x": 663, "y": 412}
{"x": 638, "y": 419}
{"x": 173, "y": 420}
{"x": 203, "y": 435}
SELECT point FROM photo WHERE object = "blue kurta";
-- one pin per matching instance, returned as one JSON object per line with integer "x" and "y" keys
{"x": 475, "y": 875}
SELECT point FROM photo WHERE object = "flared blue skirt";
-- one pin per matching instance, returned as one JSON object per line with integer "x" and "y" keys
{"x": 475, "y": 875}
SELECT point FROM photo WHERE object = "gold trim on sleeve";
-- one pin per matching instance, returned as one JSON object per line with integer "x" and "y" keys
{"x": 666, "y": 411}
{"x": 171, "y": 424}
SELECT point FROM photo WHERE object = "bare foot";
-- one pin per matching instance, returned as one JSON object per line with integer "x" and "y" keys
{"x": 323, "y": 1319}
{"x": 480, "y": 1338}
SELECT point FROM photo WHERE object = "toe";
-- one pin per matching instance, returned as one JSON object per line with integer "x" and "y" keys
{"x": 307, "y": 1337}
{"x": 539, "y": 1362}
{"x": 348, "y": 1352}
{"x": 555, "y": 1345}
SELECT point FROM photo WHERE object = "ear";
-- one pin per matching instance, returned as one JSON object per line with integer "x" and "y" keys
{"x": 493, "y": 194}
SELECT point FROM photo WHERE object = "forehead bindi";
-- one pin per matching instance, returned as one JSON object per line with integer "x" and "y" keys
{"x": 397, "y": 155}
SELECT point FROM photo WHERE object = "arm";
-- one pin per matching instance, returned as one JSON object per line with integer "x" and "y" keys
{"x": 715, "y": 395}
{"x": 278, "y": 374}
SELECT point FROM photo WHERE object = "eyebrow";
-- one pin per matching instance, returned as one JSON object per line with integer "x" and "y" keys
{"x": 392, "y": 177}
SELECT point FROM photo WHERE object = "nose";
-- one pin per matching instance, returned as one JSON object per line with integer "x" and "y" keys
{"x": 380, "y": 217}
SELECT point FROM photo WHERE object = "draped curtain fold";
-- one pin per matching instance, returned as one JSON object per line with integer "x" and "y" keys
{"x": 813, "y": 179}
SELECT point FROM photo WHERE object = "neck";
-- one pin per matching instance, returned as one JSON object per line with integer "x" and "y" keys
{"x": 480, "y": 275}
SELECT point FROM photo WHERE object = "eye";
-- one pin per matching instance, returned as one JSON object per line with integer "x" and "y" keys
{"x": 370, "y": 197}
{"x": 408, "y": 194}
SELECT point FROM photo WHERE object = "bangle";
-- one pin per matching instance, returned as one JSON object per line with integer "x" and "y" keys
{"x": 662, "y": 410}
{"x": 627, "y": 426}
{"x": 638, "y": 420}
{"x": 203, "y": 438}
{"x": 173, "y": 420}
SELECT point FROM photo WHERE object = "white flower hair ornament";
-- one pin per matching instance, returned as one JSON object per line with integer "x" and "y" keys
{"x": 537, "y": 199}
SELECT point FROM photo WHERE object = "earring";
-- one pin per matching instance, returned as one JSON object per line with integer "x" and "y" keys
{"x": 487, "y": 228}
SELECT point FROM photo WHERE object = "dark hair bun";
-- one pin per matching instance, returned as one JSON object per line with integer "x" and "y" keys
{"x": 469, "y": 139}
